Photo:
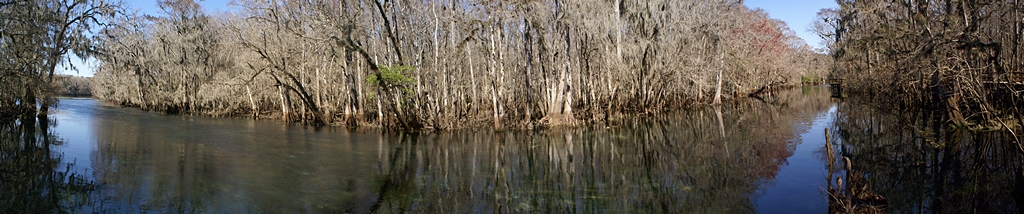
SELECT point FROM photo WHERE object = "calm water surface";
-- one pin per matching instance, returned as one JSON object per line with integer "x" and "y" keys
{"x": 765, "y": 156}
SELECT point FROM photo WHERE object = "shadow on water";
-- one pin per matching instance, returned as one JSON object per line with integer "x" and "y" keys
{"x": 32, "y": 176}
{"x": 914, "y": 162}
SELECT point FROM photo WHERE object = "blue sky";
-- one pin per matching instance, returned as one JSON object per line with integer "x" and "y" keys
{"x": 797, "y": 13}
{"x": 149, "y": 6}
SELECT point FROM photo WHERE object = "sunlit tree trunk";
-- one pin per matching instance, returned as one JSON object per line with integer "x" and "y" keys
{"x": 718, "y": 86}
{"x": 565, "y": 83}
{"x": 284, "y": 103}
{"x": 319, "y": 89}
{"x": 360, "y": 112}
{"x": 494, "y": 81}
{"x": 472, "y": 79}
{"x": 500, "y": 78}
{"x": 252, "y": 103}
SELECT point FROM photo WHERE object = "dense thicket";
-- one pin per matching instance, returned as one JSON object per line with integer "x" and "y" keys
{"x": 446, "y": 64}
{"x": 72, "y": 86}
{"x": 35, "y": 37}
{"x": 963, "y": 56}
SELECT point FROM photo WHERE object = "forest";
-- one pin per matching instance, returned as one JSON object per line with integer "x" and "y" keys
{"x": 414, "y": 64}
{"x": 962, "y": 57}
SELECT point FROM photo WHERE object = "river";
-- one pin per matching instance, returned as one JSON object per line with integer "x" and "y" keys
{"x": 755, "y": 156}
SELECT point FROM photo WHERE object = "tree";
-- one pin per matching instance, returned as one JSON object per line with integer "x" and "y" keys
{"x": 69, "y": 22}
{"x": 37, "y": 37}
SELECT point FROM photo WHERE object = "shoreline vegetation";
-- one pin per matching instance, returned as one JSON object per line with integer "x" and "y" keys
{"x": 404, "y": 65}
{"x": 526, "y": 64}
{"x": 446, "y": 64}
{"x": 961, "y": 57}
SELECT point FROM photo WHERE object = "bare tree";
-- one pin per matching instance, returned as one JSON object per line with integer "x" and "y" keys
{"x": 451, "y": 64}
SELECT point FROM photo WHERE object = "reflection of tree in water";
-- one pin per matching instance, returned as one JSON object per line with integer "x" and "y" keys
{"x": 32, "y": 179}
{"x": 686, "y": 162}
{"x": 667, "y": 164}
{"x": 144, "y": 165}
{"x": 917, "y": 164}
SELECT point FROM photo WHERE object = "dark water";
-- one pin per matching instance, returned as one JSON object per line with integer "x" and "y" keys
{"x": 759, "y": 156}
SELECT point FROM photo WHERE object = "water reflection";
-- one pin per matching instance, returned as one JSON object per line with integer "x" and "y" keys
{"x": 712, "y": 160}
{"x": 672, "y": 164}
{"x": 32, "y": 178}
{"x": 669, "y": 164}
{"x": 914, "y": 163}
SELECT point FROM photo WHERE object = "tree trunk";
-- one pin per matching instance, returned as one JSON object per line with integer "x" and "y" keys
{"x": 494, "y": 83}
{"x": 302, "y": 113}
{"x": 437, "y": 66}
{"x": 718, "y": 86}
{"x": 529, "y": 66}
{"x": 184, "y": 91}
{"x": 472, "y": 79}
{"x": 304, "y": 96}
{"x": 501, "y": 75}
{"x": 565, "y": 83}
{"x": 29, "y": 102}
{"x": 284, "y": 103}
{"x": 252, "y": 103}
{"x": 141, "y": 91}
{"x": 356, "y": 103}
{"x": 618, "y": 30}
{"x": 391, "y": 33}
{"x": 380, "y": 109}
{"x": 319, "y": 89}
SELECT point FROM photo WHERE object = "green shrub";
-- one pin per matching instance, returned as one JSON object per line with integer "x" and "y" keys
{"x": 810, "y": 80}
{"x": 391, "y": 76}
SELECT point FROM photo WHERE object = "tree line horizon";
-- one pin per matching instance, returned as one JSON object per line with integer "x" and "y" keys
{"x": 409, "y": 64}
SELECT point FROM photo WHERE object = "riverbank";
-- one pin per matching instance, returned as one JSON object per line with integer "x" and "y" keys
{"x": 612, "y": 113}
